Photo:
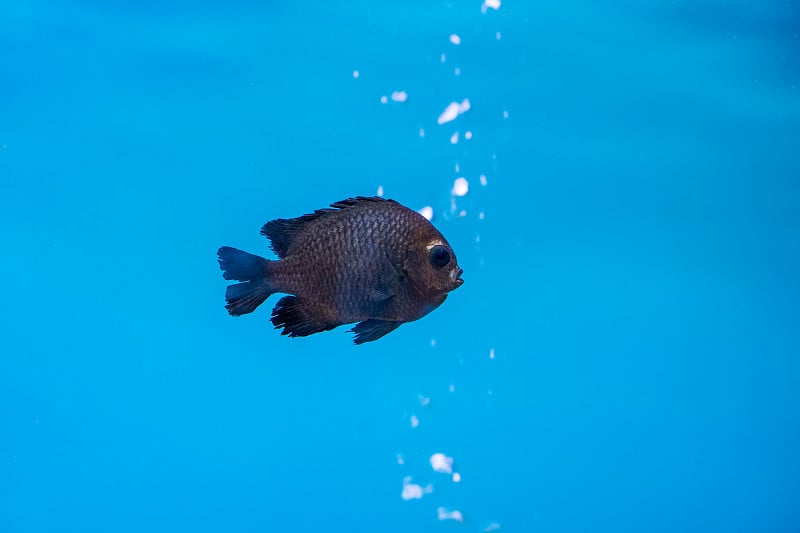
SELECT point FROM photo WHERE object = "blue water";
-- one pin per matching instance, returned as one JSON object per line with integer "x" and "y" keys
{"x": 636, "y": 270}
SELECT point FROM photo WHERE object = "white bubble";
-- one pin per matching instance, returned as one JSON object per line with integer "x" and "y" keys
{"x": 355, "y": 74}
{"x": 412, "y": 491}
{"x": 454, "y": 138}
{"x": 455, "y": 39}
{"x": 452, "y": 111}
{"x": 457, "y": 71}
{"x": 441, "y": 463}
{"x": 460, "y": 187}
{"x": 505, "y": 114}
{"x": 483, "y": 180}
{"x": 456, "y": 477}
{"x": 384, "y": 99}
{"x": 424, "y": 401}
{"x": 380, "y": 190}
{"x": 399, "y": 96}
{"x": 491, "y": 353}
{"x": 494, "y": 526}
{"x": 444, "y": 514}
{"x": 422, "y": 132}
{"x": 468, "y": 135}
{"x": 427, "y": 212}
{"x": 414, "y": 421}
{"x": 497, "y": 36}
{"x": 493, "y": 4}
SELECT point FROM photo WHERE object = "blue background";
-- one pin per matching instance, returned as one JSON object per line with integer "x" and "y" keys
{"x": 636, "y": 272}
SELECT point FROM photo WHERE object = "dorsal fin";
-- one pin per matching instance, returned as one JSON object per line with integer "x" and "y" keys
{"x": 281, "y": 231}
{"x": 360, "y": 200}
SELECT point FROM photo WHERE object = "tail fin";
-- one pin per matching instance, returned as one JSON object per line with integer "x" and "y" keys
{"x": 243, "y": 298}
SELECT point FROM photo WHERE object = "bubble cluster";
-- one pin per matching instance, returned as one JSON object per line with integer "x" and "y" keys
{"x": 460, "y": 138}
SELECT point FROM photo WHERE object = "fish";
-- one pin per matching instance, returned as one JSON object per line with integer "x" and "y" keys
{"x": 364, "y": 260}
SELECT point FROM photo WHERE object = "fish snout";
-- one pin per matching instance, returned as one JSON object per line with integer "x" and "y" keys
{"x": 455, "y": 276}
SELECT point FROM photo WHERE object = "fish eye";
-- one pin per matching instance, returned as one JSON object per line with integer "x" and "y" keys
{"x": 439, "y": 256}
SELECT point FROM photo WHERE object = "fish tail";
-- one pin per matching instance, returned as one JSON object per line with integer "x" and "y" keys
{"x": 252, "y": 270}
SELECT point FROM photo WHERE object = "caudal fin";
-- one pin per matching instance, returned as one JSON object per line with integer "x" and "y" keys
{"x": 243, "y": 298}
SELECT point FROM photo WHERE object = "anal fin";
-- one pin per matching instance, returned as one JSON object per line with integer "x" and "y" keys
{"x": 297, "y": 319}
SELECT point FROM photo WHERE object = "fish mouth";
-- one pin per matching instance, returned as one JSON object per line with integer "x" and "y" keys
{"x": 455, "y": 275}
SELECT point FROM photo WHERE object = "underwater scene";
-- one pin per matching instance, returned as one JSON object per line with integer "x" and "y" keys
{"x": 579, "y": 312}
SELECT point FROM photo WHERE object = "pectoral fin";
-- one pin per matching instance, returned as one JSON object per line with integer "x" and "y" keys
{"x": 387, "y": 282}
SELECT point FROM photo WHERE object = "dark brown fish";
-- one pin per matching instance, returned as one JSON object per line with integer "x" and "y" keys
{"x": 366, "y": 260}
